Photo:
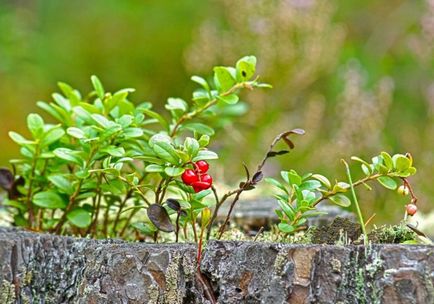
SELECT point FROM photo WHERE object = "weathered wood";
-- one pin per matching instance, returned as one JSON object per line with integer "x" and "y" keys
{"x": 42, "y": 268}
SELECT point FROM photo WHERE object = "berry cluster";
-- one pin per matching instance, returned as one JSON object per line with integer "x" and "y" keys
{"x": 198, "y": 178}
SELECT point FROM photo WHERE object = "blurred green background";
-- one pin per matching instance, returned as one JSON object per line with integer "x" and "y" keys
{"x": 358, "y": 76}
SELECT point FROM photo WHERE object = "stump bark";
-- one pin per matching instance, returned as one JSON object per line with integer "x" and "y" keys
{"x": 42, "y": 268}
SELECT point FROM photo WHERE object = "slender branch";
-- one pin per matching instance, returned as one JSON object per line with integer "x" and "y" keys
{"x": 410, "y": 189}
{"x": 253, "y": 180}
{"x": 141, "y": 193}
{"x": 69, "y": 207}
{"x": 30, "y": 191}
{"x": 73, "y": 197}
{"x": 122, "y": 205}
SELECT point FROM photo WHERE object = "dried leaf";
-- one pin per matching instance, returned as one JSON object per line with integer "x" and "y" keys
{"x": 275, "y": 153}
{"x": 173, "y": 204}
{"x": 257, "y": 177}
{"x": 6, "y": 179}
{"x": 13, "y": 192}
{"x": 160, "y": 218}
{"x": 289, "y": 143}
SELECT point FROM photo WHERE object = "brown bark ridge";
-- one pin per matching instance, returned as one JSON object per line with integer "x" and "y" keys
{"x": 43, "y": 268}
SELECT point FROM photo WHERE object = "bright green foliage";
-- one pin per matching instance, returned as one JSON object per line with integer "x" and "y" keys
{"x": 299, "y": 195}
{"x": 106, "y": 158}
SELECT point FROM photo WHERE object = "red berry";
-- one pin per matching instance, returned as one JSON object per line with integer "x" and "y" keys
{"x": 206, "y": 178}
{"x": 189, "y": 177}
{"x": 202, "y": 166}
{"x": 411, "y": 209}
{"x": 199, "y": 186}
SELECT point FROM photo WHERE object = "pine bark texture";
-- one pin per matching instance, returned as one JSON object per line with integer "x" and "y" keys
{"x": 42, "y": 268}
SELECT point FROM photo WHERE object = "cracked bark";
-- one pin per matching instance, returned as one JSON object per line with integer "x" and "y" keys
{"x": 41, "y": 268}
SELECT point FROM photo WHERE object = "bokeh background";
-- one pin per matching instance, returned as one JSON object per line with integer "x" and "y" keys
{"x": 357, "y": 75}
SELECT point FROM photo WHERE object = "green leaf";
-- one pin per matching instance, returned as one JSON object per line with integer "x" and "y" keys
{"x": 276, "y": 183}
{"x": 287, "y": 209}
{"x": 388, "y": 182}
{"x": 205, "y": 155}
{"x": 223, "y": 78}
{"x": 174, "y": 171}
{"x": 401, "y": 162}
{"x": 52, "y": 136}
{"x": 191, "y": 146}
{"x": 99, "y": 89}
{"x": 387, "y": 160}
{"x": 114, "y": 151}
{"x": 19, "y": 139}
{"x": 229, "y": 99}
{"x": 68, "y": 155}
{"x": 341, "y": 187}
{"x": 157, "y": 116}
{"x": 79, "y": 217}
{"x": 145, "y": 228}
{"x": 35, "y": 124}
{"x": 366, "y": 169}
{"x": 154, "y": 168}
{"x": 73, "y": 95}
{"x": 174, "y": 104}
{"x": 75, "y": 132}
{"x": 166, "y": 151}
{"x": 199, "y": 128}
{"x": 358, "y": 159}
{"x": 246, "y": 68}
{"x": 199, "y": 80}
{"x": 133, "y": 132}
{"x": 324, "y": 180}
{"x": 340, "y": 200}
{"x": 62, "y": 101}
{"x": 102, "y": 121}
{"x": 310, "y": 185}
{"x": 291, "y": 177}
{"x": 62, "y": 183}
{"x": 160, "y": 137}
{"x": 50, "y": 110}
{"x": 203, "y": 141}
{"x": 49, "y": 200}
{"x": 286, "y": 228}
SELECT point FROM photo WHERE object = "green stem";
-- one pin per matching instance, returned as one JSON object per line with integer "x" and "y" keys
{"x": 30, "y": 191}
{"x": 73, "y": 197}
{"x": 356, "y": 202}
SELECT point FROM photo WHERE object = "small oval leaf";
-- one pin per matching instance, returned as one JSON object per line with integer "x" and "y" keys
{"x": 160, "y": 218}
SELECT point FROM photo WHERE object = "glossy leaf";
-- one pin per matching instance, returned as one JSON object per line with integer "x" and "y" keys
{"x": 224, "y": 78}
{"x": 286, "y": 228}
{"x": 245, "y": 68}
{"x": 173, "y": 171}
{"x": 35, "y": 124}
{"x": 62, "y": 183}
{"x": 99, "y": 89}
{"x": 205, "y": 155}
{"x": 79, "y": 217}
{"x": 199, "y": 128}
{"x": 340, "y": 200}
{"x": 75, "y": 132}
{"x": 388, "y": 182}
{"x": 229, "y": 99}
{"x": 49, "y": 200}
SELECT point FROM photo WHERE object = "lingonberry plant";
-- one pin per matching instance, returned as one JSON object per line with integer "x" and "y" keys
{"x": 104, "y": 159}
{"x": 300, "y": 195}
